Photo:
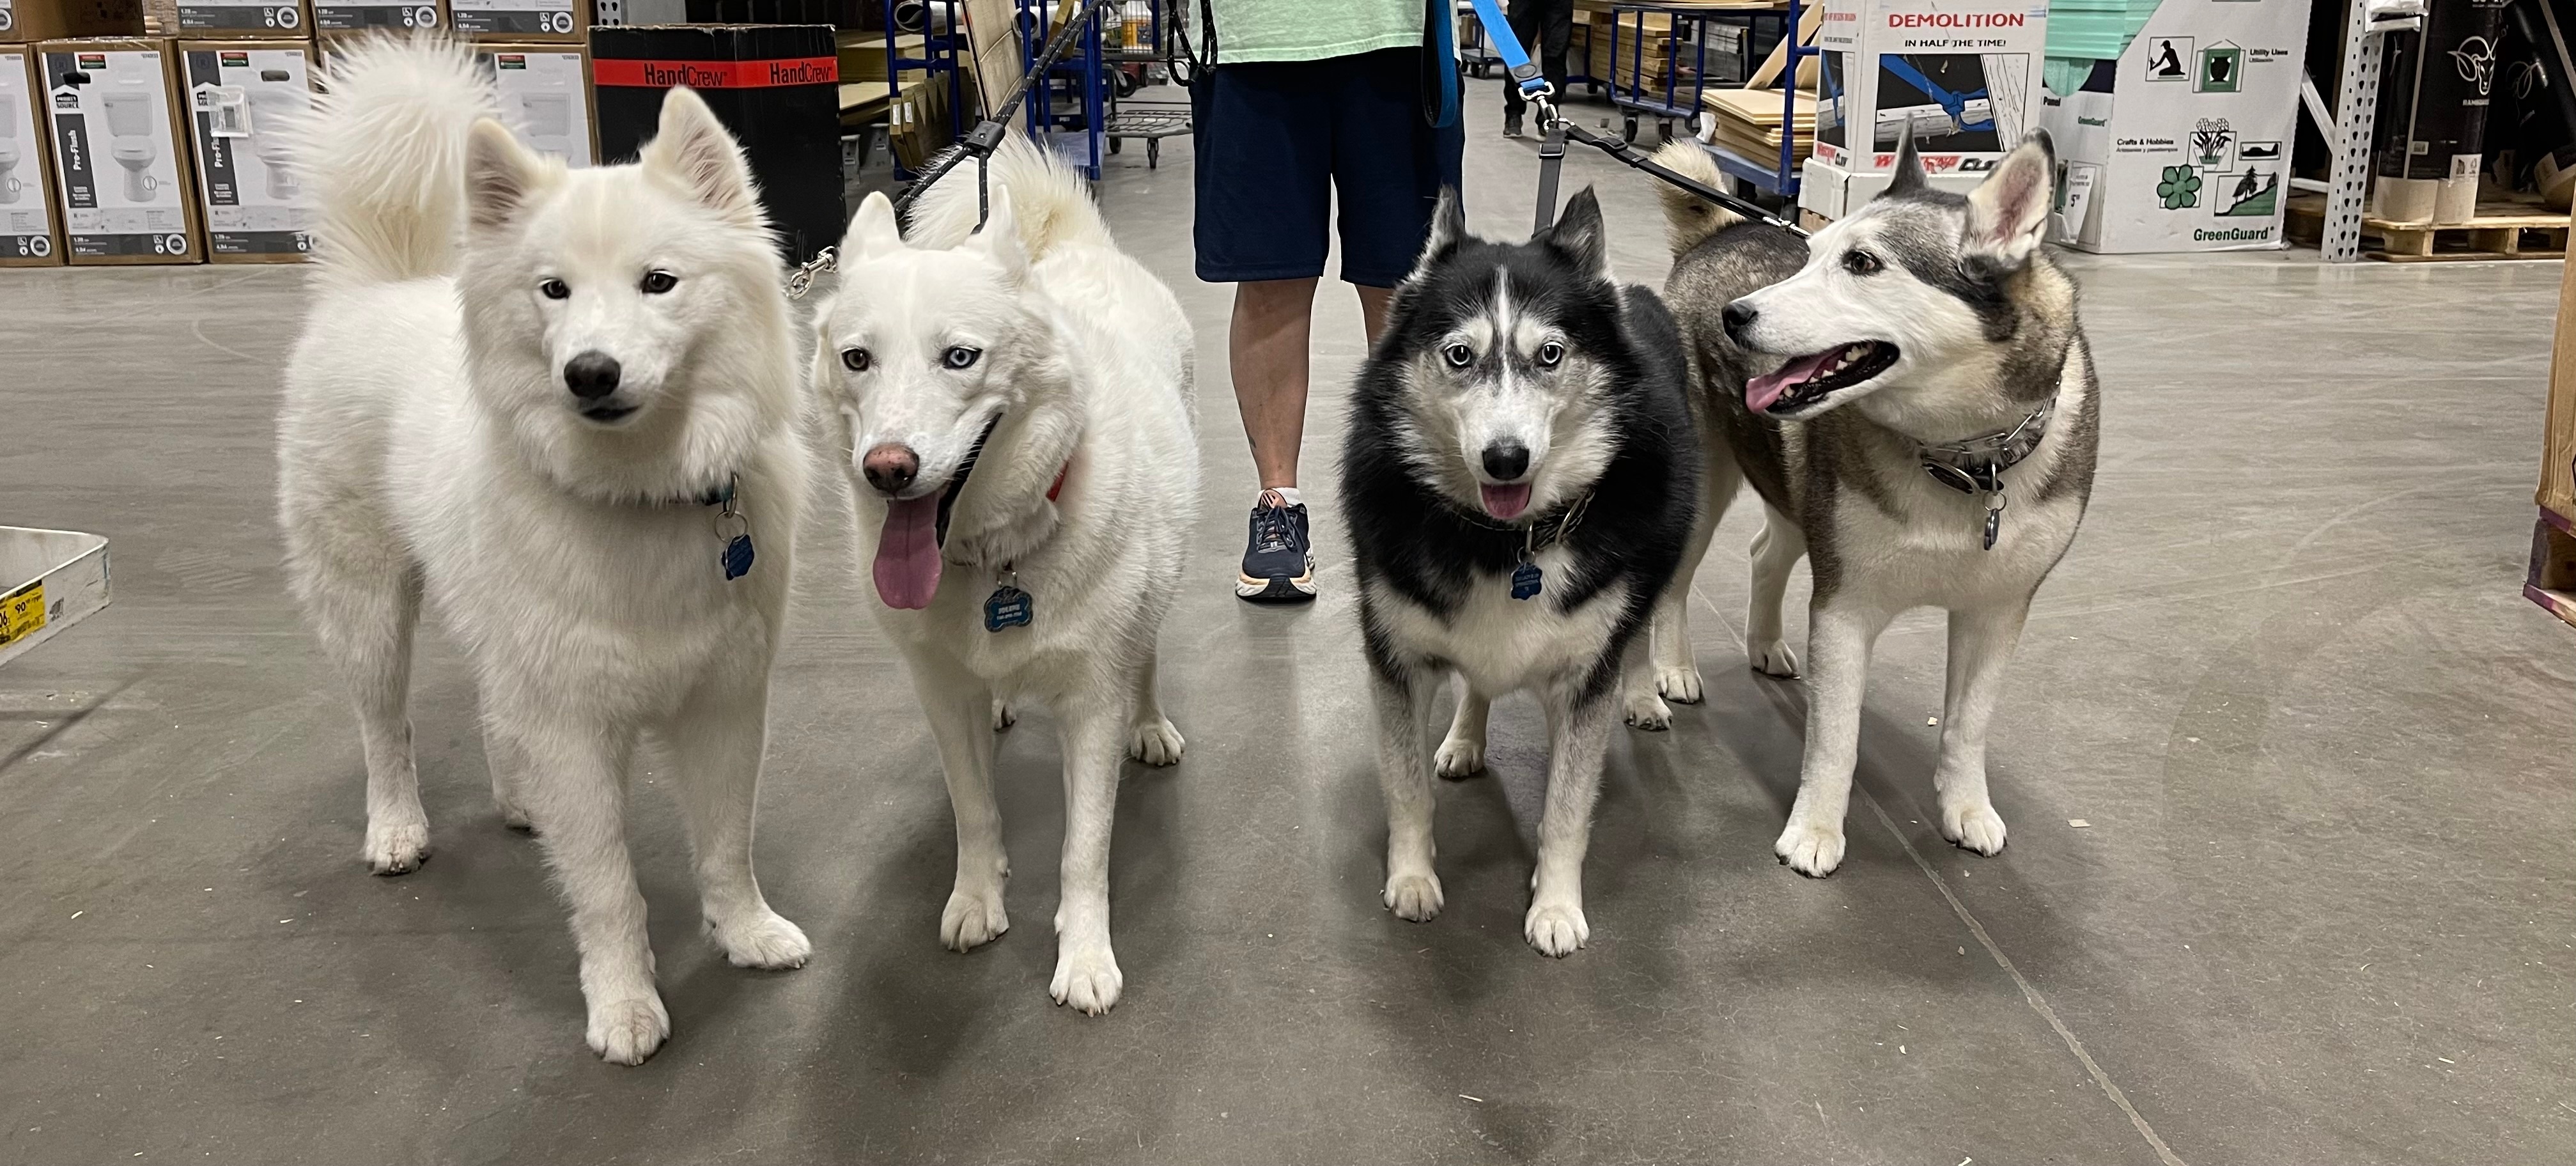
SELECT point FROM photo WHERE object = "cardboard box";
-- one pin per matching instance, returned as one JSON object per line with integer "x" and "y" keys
{"x": 240, "y": 96}
{"x": 28, "y": 21}
{"x": 2183, "y": 143}
{"x": 1831, "y": 192}
{"x": 347, "y": 16}
{"x": 521, "y": 20}
{"x": 246, "y": 19}
{"x": 1964, "y": 74}
{"x": 545, "y": 96}
{"x": 31, "y": 229}
{"x": 776, "y": 86}
{"x": 120, "y": 156}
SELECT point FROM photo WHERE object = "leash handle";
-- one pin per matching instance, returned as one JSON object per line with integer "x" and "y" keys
{"x": 1507, "y": 45}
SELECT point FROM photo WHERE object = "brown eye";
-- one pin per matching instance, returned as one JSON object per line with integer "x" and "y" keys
{"x": 1859, "y": 262}
{"x": 854, "y": 359}
{"x": 1458, "y": 355}
{"x": 658, "y": 282}
{"x": 1550, "y": 353}
{"x": 555, "y": 289}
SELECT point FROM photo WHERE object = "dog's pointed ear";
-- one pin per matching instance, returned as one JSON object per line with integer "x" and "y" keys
{"x": 499, "y": 174}
{"x": 1908, "y": 176}
{"x": 1448, "y": 227}
{"x": 872, "y": 231}
{"x": 694, "y": 148}
{"x": 2008, "y": 212}
{"x": 999, "y": 237}
{"x": 1580, "y": 236}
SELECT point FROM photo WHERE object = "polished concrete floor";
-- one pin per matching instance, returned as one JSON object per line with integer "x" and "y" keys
{"x": 2321, "y": 913}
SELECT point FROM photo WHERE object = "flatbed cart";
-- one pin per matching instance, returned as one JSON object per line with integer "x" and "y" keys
{"x": 1777, "y": 176}
{"x": 1678, "y": 95}
{"x": 52, "y": 579}
{"x": 1144, "y": 41}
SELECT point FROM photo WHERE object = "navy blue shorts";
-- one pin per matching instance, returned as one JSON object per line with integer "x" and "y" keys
{"x": 1278, "y": 141}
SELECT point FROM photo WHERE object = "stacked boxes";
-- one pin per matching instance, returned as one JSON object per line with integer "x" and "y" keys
{"x": 30, "y": 232}
{"x": 241, "y": 96}
{"x": 1961, "y": 75}
{"x": 247, "y": 19}
{"x": 545, "y": 96}
{"x": 120, "y": 152}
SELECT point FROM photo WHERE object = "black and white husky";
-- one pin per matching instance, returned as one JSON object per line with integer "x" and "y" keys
{"x": 1519, "y": 479}
{"x": 1911, "y": 395}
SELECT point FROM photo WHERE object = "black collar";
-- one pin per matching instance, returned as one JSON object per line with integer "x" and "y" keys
{"x": 1977, "y": 465}
{"x": 1546, "y": 532}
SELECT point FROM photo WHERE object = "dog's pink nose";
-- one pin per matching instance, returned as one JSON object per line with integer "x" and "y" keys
{"x": 890, "y": 467}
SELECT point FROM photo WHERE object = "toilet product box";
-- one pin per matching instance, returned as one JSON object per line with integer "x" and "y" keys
{"x": 1963, "y": 75}
{"x": 2183, "y": 143}
{"x": 120, "y": 156}
{"x": 348, "y": 16}
{"x": 521, "y": 20}
{"x": 28, "y": 21}
{"x": 30, "y": 229}
{"x": 245, "y": 19}
{"x": 241, "y": 97}
{"x": 545, "y": 97}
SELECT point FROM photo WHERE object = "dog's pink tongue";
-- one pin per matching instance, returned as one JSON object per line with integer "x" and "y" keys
{"x": 1760, "y": 391}
{"x": 1505, "y": 501}
{"x": 908, "y": 553}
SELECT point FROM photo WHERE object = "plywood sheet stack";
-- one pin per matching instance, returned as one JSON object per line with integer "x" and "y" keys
{"x": 1751, "y": 122}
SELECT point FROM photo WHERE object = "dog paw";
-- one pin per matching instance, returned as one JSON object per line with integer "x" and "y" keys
{"x": 1414, "y": 897}
{"x": 1556, "y": 929}
{"x": 1679, "y": 685}
{"x": 1976, "y": 827}
{"x": 1086, "y": 979}
{"x": 1003, "y": 717}
{"x": 1775, "y": 659}
{"x": 1811, "y": 850}
{"x": 1649, "y": 712}
{"x": 973, "y": 917}
{"x": 399, "y": 849}
{"x": 624, "y": 1032}
{"x": 761, "y": 939}
{"x": 1156, "y": 742}
{"x": 1459, "y": 758}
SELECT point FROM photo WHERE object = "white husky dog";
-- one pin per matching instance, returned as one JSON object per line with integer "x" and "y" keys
{"x": 557, "y": 401}
{"x": 1012, "y": 407}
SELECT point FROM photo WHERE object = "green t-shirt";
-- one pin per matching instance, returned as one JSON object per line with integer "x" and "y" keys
{"x": 1311, "y": 30}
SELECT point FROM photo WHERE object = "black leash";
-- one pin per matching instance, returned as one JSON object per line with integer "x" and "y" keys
{"x": 1551, "y": 157}
{"x": 988, "y": 134}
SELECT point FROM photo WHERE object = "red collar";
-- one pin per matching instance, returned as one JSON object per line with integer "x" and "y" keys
{"x": 1058, "y": 488}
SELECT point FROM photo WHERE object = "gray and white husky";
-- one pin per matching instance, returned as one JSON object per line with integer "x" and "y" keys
{"x": 1911, "y": 395}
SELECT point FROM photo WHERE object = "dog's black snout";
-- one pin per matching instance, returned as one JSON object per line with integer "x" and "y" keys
{"x": 1506, "y": 461}
{"x": 890, "y": 467}
{"x": 591, "y": 375}
{"x": 1739, "y": 316}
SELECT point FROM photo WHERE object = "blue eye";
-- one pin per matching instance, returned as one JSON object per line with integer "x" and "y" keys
{"x": 854, "y": 359}
{"x": 962, "y": 357}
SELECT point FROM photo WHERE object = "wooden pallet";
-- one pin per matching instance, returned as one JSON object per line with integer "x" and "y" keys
{"x": 2504, "y": 228}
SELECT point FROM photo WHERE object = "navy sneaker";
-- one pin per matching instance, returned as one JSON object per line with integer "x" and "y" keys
{"x": 1279, "y": 561}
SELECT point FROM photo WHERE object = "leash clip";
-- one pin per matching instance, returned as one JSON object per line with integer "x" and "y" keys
{"x": 802, "y": 280}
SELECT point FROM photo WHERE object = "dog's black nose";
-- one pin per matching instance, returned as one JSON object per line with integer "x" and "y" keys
{"x": 890, "y": 467}
{"x": 591, "y": 375}
{"x": 1506, "y": 461}
{"x": 1739, "y": 316}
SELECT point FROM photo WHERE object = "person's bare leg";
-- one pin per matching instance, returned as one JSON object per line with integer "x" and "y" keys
{"x": 1373, "y": 301}
{"x": 1266, "y": 351}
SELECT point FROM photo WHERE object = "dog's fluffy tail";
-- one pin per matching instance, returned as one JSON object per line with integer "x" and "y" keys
{"x": 1049, "y": 200}
{"x": 384, "y": 148}
{"x": 1689, "y": 219}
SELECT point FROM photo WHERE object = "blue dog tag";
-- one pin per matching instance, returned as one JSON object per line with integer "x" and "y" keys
{"x": 1526, "y": 579}
{"x": 737, "y": 557}
{"x": 1009, "y": 607}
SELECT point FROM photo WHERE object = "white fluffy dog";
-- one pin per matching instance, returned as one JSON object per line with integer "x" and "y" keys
{"x": 557, "y": 402}
{"x": 1012, "y": 407}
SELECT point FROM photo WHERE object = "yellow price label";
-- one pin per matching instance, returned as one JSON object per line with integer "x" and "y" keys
{"x": 22, "y": 613}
